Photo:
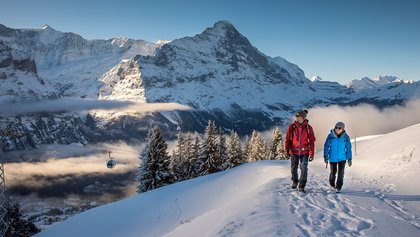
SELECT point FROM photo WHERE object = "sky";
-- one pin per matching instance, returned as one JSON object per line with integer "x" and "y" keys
{"x": 334, "y": 39}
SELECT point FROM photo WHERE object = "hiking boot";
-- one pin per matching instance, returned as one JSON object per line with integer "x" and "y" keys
{"x": 302, "y": 190}
{"x": 338, "y": 190}
{"x": 294, "y": 185}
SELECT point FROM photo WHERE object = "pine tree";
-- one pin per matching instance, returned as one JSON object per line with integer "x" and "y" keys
{"x": 174, "y": 163}
{"x": 178, "y": 158}
{"x": 19, "y": 227}
{"x": 282, "y": 152}
{"x": 276, "y": 145}
{"x": 221, "y": 151}
{"x": 208, "y": 152}
{"x": 235, "y": 156}
{"x": 256, "y": 148}
{"x": 187, "y": 166}
{"x": 265, "y": 150}
{"x": 196, "y": 154}
{"x": 247, "y": 149}
{"x": 155, "y": 163}
{"x": 180, "y": 146}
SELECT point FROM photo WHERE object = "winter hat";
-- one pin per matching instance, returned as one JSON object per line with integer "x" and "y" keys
{"x": 340, "y": 125}
{"x": 302, "y": 113}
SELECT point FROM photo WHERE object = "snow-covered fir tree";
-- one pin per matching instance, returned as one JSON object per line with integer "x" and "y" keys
{"x": 187, "y": 162}
{"x": 256, "y": 148}
{"x": 235, "y": 155}
{"x": 265, "y": 150}
{"x": 247, "y": 149}
{"x": 155, "y": 168}
{"x": 276, "y": 146}
{"x": 18, "y": 226}
{"x": 196, "y": 154}
{"x": 180, "y": 146}
{"x": 178, "y": 158}
{"x": 221, "y": 151}
{"x": 208, "y": 156}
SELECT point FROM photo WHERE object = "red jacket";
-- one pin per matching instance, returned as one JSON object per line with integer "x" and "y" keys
{"x": 298, "y": 141}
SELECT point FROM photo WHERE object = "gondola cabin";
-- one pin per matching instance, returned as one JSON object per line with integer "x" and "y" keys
{"x": 111, "y": 163}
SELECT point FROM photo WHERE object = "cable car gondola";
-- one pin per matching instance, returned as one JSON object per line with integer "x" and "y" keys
{"x": 111, "y": 163}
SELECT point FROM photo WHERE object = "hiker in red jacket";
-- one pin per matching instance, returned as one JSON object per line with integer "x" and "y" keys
{"x": 300, "y": 145}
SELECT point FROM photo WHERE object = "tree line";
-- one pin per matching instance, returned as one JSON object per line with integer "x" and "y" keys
{"x": 195, "y": 156}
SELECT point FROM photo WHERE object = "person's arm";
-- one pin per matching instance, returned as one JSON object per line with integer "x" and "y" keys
{"x": 311, "y": 141}
{"x": 327, "y": 146}
{"x": 349, "y": 154}
{"x": 287, "y": 141}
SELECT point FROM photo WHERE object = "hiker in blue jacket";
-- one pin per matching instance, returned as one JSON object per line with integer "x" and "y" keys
{"x": 337, "y": 150}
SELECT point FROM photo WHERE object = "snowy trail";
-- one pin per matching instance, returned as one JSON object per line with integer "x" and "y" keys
{"x": 356, "y": 211}
{"x": 320, "y": 212}
{"x": 363, "y": 208}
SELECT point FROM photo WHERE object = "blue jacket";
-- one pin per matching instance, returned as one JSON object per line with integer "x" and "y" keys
{"x": 337, "y": 149}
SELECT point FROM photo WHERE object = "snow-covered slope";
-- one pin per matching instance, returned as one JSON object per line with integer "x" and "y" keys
{"x": 379, "y": 198}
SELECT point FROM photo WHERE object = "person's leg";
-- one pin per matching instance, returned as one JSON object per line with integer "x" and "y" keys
{"x": 303, "y": 171}
{"x": 294, "y": 163}
{"x": 340, "y": 178}
{"x": 333, "y": 172}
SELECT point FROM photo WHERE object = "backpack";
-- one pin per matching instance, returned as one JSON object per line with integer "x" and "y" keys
{"x": 293, "y": 131}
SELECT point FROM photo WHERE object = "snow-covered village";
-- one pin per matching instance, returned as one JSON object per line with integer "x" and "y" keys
{"x": 219, "y": 118}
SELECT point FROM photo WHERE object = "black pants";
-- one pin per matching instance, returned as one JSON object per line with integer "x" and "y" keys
{"x": 333, "y": 168}
{"x": 303, "y": 160}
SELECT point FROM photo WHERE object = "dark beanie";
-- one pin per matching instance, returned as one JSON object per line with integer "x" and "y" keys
{"x": 302, "y": 113}
{"x": 340, "y": 125}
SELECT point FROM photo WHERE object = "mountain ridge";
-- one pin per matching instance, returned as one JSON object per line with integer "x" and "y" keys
{"x": 217, "y": 72}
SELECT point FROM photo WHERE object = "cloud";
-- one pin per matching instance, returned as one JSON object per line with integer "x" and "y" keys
{"x": 75, "y": 104}
{"x": 63, "y": 162}
{"x": 363, "y": 119}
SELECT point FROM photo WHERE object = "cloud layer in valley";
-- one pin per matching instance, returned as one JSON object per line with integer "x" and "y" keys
{"x": 363, "y": 120}
{"x": 75, "y": 104}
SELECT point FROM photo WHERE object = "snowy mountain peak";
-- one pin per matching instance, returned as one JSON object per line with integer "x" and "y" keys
{"x": 316, "y": 78}
{"x": 368, "y": 83}
{"x": 160, "y": 43}
{"x": 47, "y": 27}
{"x": 224, "y": 24}
{"x": 223, "y": 30}
{"x": 385, "y": 78}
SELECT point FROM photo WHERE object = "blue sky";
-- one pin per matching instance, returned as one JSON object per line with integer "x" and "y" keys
{"x": 337, "y": 40}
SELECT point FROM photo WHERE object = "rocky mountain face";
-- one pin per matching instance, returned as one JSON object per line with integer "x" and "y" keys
{"x": 218, "y": 73}
{"x": 68, "y": 62}
{"x": 19, "y": 79}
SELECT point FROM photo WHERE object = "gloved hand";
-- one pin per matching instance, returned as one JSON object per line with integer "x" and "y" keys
{"x": 349, "y": 162}
{"x": 311, "y": 158}
{"x": 287, "y": 155}
{"x": 326, "y": 159}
